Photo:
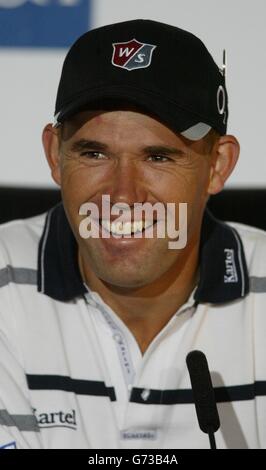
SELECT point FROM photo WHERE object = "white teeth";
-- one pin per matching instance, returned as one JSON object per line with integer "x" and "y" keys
{"x": 126, "y": 228}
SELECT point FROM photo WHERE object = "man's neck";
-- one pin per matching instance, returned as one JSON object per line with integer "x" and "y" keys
{"x": 146, "y": 310}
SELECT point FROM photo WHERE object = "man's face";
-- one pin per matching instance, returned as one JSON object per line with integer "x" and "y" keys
{"x": 133, "y": 158}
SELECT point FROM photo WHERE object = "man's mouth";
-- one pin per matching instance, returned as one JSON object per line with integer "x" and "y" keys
{"x": 126, "y": 228}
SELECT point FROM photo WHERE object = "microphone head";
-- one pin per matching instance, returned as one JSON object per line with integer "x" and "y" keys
{"x": 203, "y": 392}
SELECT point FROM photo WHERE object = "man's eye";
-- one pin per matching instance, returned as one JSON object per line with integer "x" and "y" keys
{"x": 93, "y": 155}
{"x": 159, "y": 158}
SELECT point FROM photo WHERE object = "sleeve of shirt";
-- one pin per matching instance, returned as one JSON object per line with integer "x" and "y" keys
{"x": 18, "y": 424}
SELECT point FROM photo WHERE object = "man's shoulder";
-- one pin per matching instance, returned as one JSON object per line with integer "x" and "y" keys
{"x": 254, "y": 243}
{"x": 20, "y": 238}
{"x": 248, "y": 232}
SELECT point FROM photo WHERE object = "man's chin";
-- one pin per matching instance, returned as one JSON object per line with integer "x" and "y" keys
{"x": 125, "y": 283}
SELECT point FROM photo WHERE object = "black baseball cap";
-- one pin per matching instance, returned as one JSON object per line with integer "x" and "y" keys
{"x": 159, "y": 68}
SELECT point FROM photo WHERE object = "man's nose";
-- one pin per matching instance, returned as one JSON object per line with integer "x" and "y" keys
{"x": 127, "y": 183}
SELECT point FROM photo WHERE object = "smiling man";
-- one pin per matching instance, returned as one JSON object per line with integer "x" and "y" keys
{"x": 96, "y": 329}
{"x": 134, "y": 158}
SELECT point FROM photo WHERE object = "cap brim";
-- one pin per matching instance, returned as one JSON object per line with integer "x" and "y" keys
{"x": 179, "y": 120}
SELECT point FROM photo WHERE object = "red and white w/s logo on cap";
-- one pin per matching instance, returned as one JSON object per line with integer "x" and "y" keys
{"x": 132, "y": 55}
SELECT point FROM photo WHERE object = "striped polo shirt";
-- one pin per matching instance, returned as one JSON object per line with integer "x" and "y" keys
{"x": 72, "y": 374}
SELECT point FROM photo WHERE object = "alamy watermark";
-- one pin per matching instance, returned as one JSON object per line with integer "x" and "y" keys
{"x": 143, "y": 222}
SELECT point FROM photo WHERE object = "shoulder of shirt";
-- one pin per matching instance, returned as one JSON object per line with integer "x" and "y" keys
{"x": 248, "y": 231}
{"x": 20, "y": 236}
{"x": 36, "y": 220}
{"x": 254, "y": 244}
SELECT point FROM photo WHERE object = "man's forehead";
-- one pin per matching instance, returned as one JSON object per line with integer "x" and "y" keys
{"x": 101, "y": 115}
{"x": 94, "y": 125}
{"x": 75, "y": 128}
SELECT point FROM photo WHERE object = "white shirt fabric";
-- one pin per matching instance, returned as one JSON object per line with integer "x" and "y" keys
{"x": 72, "y": 374}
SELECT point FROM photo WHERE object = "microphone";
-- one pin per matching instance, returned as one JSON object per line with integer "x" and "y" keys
{"x": 203, "y": 394}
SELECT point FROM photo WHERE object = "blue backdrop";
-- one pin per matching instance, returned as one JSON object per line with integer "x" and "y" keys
{"x": 42, "y": 23}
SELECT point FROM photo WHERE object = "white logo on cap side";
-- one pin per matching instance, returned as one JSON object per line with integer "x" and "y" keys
{"x": 221, "y": 94}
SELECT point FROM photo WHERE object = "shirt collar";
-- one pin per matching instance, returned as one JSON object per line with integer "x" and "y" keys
{"x": 58, "y": 271}
{"x": 223, "y": 270}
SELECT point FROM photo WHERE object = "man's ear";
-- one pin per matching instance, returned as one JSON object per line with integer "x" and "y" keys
{"x": 225, "y": 155}
{"x": 50, "y": 142}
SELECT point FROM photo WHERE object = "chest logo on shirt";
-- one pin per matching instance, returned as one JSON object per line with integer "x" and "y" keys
{"x": 132, "y": 55}
{"x": 57, "y": 419}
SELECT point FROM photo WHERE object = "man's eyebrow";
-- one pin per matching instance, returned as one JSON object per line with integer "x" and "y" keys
{"x": 84, "y": 144}
{"x": 164, "y": 150}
